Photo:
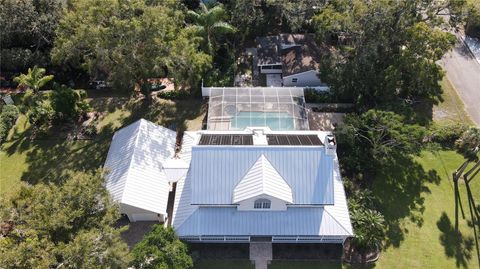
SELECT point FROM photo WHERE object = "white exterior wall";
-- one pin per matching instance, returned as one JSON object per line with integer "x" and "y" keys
{"x": 271, "y": 71}
{"x": 305, "y": 79}
{"x": 137, "y": 214}
{"x": 276, "y": 204}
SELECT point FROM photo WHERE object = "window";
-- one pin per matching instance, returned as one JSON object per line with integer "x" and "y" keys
{"x": 262, "y": 204}
{"x": 294, "y": 80}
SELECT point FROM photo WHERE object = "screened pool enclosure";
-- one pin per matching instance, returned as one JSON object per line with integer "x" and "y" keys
{"x": 281, "y": 108}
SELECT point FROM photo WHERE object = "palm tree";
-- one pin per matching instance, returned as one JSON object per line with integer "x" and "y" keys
{"x": 369, "y": 230}
{"x": 209, "y": 23}
{"x": 34, "y": 79}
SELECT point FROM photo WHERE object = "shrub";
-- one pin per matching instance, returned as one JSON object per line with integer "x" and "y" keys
{"x": 469, "y": 143}
{"x": 41, "y": 114}
{"x": 174, "y": 95}
{"x": 161, "y": 248}
{"x": 8, "y": 117}
{"x": 446, "y": 135}
{"x": 67, "y": 103}
{"x": 368, "y": 224}
{"x": 314, "y": 96}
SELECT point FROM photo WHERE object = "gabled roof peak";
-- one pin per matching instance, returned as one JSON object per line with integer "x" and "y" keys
{"x": 262, "y": 178}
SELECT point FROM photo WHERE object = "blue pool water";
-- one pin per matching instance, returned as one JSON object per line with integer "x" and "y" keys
{"x": 275, "y": 120}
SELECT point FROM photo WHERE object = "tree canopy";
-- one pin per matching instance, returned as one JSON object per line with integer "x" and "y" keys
{"x": 209, "y": 23}
{"x": 371, "y": 139}
{"x": 161, "y": 248}
{"x": 386, "y": 51}
{"x": 130, "y": 41}
{"x": 28, "y": 31}
{"x": 66, "y": 225}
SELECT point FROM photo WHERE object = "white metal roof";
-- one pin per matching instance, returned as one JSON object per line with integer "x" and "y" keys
{"x": 262, "y": 178}
{"x": 192, "y": 220}
{"x": 216, "y": 170}
{"x": 230, "y": 221}
{"x": 175, "y": 169}
{"x": 134, "y": 163}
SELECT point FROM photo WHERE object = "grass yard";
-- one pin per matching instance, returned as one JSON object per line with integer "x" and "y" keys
{"x": 452, "y": 109}
{"x": 49, "y": 157}
{"x": 421, "y": 216}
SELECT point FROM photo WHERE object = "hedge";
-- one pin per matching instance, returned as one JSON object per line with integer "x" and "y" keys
{"x": 8, "y": 116}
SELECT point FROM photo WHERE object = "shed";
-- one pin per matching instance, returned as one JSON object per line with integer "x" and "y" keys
{"x": 135, "y": 175}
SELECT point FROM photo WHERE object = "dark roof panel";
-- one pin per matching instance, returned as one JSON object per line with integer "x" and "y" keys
{"x": 225, "y": 139}
{"x": 302, "y": 140}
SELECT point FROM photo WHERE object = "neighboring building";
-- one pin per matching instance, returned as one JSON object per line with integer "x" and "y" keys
{"x": 289, "y": 60}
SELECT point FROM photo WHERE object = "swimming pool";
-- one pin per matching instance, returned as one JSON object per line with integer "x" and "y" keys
{"x": 275, "y": 120}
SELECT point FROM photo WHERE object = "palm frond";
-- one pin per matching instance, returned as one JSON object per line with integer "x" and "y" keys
{"x": 216, "y": 13}
{"x": 223, "y": 27}
{"x": 194, "y": 16}
{"x": 44, "y": 80}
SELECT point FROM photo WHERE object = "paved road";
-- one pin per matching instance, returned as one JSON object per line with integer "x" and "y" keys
{"x": 464, "y": 72}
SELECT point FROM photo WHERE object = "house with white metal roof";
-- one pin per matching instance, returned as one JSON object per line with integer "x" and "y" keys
{"x": 231, "y": 186}
{"x": 283, "y": 185}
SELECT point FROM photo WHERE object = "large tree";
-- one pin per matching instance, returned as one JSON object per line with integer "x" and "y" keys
{"x": 264, "y": 17}
{"x": 386, "y": 50}
{"x": 372, "y": 139}
{"x": 28, "y": 31}
{"x": 130, "y": 41}
{"x": 56, "y": 226}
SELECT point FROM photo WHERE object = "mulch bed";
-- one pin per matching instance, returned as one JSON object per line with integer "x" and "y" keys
{"x": 350, "y": 255}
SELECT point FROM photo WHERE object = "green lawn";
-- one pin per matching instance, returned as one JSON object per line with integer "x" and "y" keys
{"x": 421, "y": 216}
{"x": 452, "y": 109}
{"x": 49, "y": 156}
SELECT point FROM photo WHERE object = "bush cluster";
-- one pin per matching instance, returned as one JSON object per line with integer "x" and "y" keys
{"x": 314, "y": 96}
{"x": 446, "y": 135}
{"x": 8, "y": 116}
{"x": 174, "y": 95}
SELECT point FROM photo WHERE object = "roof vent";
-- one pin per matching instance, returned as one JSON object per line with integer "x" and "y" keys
{"x": 330, "y": 145}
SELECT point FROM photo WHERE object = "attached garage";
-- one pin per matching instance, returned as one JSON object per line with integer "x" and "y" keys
{"x": 135, "y": 175}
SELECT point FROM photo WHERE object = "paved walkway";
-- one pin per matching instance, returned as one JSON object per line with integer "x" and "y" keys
{"x": 464, "y": 72}
{"x": 261, "y": 254}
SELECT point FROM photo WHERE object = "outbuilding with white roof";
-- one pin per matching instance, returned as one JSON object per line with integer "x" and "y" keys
{"x": 135, "y": 175}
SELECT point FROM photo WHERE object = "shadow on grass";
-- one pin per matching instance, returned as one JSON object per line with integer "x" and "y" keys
{"x": 50, "y": 156}
{"x": 455, "y": 244}
{"x": 398, "y": 190}
{"x": 170, "y": 114}
{"x": 50, "y": 160}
